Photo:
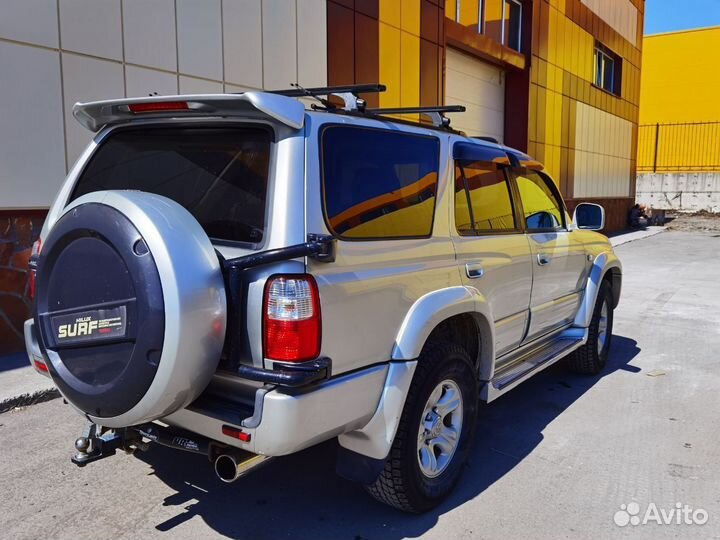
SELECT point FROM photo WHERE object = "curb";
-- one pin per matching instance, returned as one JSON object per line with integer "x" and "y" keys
{"x": 626, "y": 238}
{"x": 24, "y": 400}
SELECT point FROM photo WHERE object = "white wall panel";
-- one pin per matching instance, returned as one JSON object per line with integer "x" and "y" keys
{"x": 34, "y": 21}
{"x": 110, "y": 48}
{"x": 621, "y": 15}
{"x": 149, "y": 27}
{"x": 199, "y": 30}
{"x": 235, "y": 89}
{"x": 279, "y": 43}
{"x": 190, "y": 85}
{"x": 312, "y": 42}
{"x": 32, "y": 153}
{"x": 602, "y": 153}
{"x": 91, "y": 27}
{"x": 87, "y": 79}
{"x": 242, "y": 41}
{"x": 140, "y": 82}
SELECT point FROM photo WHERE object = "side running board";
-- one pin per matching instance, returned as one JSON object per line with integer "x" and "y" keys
{"x": 534, "y": 360}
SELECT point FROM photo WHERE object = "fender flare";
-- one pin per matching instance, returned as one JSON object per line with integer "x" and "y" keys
{"x": 371, "y": 444}
{"x": 430, "y": 310}
{"x": 603, "y": 264}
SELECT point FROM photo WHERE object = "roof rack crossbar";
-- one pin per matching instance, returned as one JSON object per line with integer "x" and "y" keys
{"x": 348, "y": 93}
{"x": 328, "y": 90}
{"x": 435, "y": 113}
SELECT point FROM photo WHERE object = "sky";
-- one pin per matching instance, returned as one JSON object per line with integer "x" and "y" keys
{"x": 672, "y": 15}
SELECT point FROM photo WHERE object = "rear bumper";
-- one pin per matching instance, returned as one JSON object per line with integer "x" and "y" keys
{"x": 286, "y": 420}
{"x": 33, "y": 348}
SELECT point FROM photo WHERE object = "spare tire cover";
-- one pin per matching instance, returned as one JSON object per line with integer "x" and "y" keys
{"x": 130, "y": 306}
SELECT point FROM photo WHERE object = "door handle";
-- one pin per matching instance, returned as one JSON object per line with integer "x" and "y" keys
{"x": 474, "y": 270}
{"x": 543, "y": 259}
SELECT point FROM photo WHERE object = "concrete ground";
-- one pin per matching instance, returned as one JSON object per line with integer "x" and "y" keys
{"x": 555, "y": 458}
{"x": 20, "y": 384}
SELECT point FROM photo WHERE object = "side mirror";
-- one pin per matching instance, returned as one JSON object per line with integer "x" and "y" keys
{"x": 589, "y": 216}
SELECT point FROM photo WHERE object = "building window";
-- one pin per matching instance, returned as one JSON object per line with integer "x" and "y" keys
{"x": 512, "y": 24}
{"x": 608, "y": 69}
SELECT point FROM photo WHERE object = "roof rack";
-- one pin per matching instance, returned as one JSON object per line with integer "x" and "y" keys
{"x": 434, "y": 113}
{"x": 348, "y": 93}
{"x": 354, "y": 103}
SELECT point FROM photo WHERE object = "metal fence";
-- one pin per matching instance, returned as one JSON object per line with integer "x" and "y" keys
{"x": 687, "y": 147}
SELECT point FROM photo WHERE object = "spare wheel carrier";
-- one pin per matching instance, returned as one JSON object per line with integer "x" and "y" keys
{"x": 130, "y": 306}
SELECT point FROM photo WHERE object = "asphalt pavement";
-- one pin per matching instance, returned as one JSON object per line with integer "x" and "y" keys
{"x": 561, "y": 456}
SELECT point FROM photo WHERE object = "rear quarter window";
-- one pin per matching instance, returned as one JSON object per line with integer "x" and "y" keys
{"x": 378, "y": 184}
{"x": 220, "y": 175}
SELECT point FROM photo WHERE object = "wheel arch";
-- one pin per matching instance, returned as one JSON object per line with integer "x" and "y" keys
{"x": 455, "y": 311}
{"x": 448, "y": 312}
{"x": 606, "y": 266}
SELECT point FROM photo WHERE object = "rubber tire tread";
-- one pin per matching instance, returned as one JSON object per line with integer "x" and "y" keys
{"x": 586, "y": 360}
{"x": 394, "y": 484}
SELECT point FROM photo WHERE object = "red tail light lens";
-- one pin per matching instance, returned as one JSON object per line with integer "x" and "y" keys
{"x": 236, "y": 433}
{"x": 291, "y": 319}
{"x": 32, "y": 270}
{"x": 41, "y": 366}
{"x": 158, "y": 106}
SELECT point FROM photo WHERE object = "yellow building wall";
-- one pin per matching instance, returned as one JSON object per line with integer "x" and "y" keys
{"x": 582, "y": 156}
{"x": 679, "y": 101}
{"x": 681, "y": 77}
{"x": 399, "y": 62}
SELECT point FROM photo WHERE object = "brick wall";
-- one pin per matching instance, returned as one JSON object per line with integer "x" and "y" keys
{"x": 18, "y": 230}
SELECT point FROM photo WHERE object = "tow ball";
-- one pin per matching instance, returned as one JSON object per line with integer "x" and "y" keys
{"x": 97, "y": 443}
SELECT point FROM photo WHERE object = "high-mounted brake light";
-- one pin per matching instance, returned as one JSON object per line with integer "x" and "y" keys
{"x": 291, "y": 319}
{"x": 32, "y": 270}
{"x": 158, "y": 106}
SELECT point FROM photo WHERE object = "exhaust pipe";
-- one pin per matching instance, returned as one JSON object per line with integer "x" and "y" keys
{"x": 233, "y": 464}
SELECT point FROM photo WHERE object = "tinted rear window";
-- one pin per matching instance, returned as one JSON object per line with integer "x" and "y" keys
{"x": 378, "y": 183}
{"x": 219, "y": 175}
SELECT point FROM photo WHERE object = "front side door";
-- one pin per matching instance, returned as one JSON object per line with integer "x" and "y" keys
{"x": 559, "y": 261}
{"x": 492, "y": 252}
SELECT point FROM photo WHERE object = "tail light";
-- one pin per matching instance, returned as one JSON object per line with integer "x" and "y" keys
{"x": 291, "y": 319}
{"x": 32, "y": 268}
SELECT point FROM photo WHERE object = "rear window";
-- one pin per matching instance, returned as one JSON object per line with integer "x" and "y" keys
{"x": 378, "y": 184}
{"x": 219, "y": 175}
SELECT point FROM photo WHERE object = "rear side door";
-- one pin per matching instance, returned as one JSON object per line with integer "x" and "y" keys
{"x": 491, "y": 249}
{"x": 376, "y": 190}
{"x": 559, "y": 260}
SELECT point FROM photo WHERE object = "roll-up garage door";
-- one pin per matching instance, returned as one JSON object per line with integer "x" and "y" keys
{"x": 479, "y": 86}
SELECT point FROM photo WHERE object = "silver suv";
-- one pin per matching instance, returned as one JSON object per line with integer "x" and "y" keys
{"x": 245, "y": 276}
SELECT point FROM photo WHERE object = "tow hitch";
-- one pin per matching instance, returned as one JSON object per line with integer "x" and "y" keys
{"x": 97, "y": 442}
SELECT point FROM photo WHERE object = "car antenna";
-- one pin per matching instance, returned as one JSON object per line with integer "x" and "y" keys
{"x": 326, "y": 103}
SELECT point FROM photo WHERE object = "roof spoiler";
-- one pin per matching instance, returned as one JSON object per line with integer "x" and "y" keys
{"x": 96, "y": 115}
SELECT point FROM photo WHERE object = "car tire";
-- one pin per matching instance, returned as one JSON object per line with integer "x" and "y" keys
{"x": 444, "y": 370}
{"x": 591, "y": 358}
